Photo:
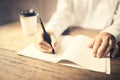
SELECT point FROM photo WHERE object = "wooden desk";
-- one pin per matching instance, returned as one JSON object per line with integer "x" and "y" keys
{"x": 15, "y": 67}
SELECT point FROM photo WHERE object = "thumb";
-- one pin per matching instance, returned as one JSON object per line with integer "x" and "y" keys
{"x": 53, "y": 40}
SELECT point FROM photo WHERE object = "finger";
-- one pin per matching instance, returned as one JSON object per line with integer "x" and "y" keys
{"x": 53, "y": 39}
{"x": 52, "y": 36}
{"x": 45, "y": 45}
{"x": 103, "y": 47}
{"x": 44, "y": 49}
{"x": 55, "y": 46}
{"x": 115, "y": 51}
{"x": 108, "y": 49}
{"x": 96, "y": 45}
{"x": 54, "y": 42}
{"x": 90, "y": 45}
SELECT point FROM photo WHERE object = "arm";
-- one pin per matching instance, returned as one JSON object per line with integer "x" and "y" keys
{"x": 114, "y": 29}
{"x": 62, "y": 18}
{"x": 105, "y": 41}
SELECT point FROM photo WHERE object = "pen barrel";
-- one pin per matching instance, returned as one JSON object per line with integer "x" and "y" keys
{"x": 47, "y": 38}
{"x": 43, "y": 28}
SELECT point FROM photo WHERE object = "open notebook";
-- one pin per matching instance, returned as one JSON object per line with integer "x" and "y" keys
{"x": 72, "y": 51}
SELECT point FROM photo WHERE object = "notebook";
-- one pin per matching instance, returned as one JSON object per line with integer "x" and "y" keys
{"x": 72, "y": 51}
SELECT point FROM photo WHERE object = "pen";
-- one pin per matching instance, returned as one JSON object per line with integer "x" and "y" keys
{"x": 46, "y": 36}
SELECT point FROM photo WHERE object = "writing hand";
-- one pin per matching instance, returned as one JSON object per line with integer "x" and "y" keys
{"x": 43, "y": 45}
{"x": 102, "y": 45}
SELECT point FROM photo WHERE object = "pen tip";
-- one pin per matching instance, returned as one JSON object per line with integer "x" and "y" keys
{"x": 53, "y": 51}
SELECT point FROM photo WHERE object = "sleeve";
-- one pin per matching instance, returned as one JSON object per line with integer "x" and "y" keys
{"x": 114, "y": 29}
{"x": 62, "y": 18}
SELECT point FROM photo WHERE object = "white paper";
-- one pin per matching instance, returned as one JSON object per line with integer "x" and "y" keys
{"x": 73, "y": 51}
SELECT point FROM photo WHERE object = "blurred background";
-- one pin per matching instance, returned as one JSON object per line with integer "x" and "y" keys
{"x": 10, "y": 9}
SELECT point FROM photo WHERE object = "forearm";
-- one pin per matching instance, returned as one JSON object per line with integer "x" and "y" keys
{"x": 114, "y": 28}
{"x": 62, "y": 18}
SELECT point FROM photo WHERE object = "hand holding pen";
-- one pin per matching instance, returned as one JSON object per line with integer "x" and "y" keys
{"x": 45, "y": 41}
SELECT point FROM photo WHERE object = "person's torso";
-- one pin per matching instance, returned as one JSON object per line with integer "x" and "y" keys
{"x": 94, "y": 14}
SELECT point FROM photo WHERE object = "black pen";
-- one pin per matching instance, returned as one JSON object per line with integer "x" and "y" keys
{"x": 46, "y": 36}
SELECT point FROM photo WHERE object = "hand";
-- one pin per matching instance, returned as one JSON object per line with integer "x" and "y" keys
{"x": 102, "y": 45}
{"x": 44, "y": 46}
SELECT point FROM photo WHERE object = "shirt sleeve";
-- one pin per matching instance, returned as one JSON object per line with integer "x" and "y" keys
{"x": 114, "y": 29}
{"x": 62, "y": 18}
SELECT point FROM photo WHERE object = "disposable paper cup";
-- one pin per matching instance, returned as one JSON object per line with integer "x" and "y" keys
{"x": 28, "y": 20}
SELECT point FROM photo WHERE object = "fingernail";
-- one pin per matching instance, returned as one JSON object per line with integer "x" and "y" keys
{"x": 94, "y": 54}
{"x": 98, "y": 56}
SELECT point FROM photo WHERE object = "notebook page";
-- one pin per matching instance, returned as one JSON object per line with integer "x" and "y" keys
{"x": 80, "y": 54}
{"x": 31, "y": 51}
{"x": 64, "y": 45}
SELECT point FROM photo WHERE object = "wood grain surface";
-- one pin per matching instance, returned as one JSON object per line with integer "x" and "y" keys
{"x": 15, "y": 67}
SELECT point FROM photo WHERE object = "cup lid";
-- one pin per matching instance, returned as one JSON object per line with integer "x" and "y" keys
{"x": 28, "y": 13}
